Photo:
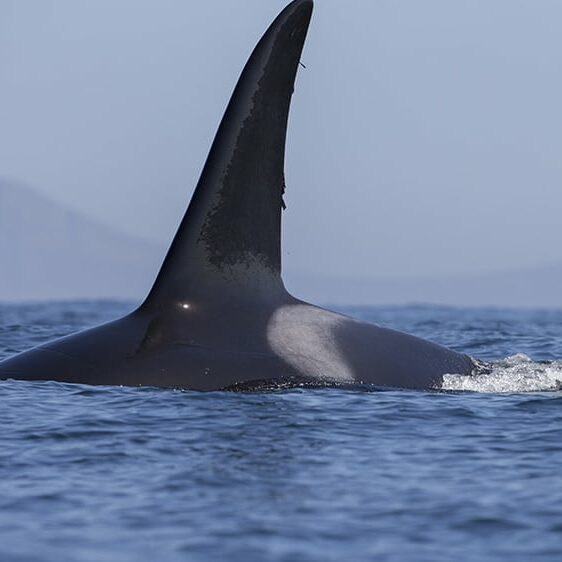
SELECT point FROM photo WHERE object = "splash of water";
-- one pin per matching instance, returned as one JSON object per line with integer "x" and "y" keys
{"x": 517, "y": 373}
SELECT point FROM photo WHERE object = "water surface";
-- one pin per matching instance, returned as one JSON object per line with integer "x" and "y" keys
{"x": 102, "y": 473}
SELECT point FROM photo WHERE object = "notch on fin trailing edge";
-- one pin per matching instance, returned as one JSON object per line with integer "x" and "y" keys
{"x": 230, "y": 235}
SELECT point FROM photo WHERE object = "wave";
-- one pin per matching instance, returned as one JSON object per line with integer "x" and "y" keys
{"x": 517, "y": 373}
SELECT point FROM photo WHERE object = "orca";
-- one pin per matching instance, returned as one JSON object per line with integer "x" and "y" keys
{"x": 218, "y": 316}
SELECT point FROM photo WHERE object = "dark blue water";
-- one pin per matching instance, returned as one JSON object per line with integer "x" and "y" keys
{"x": 121, "y": 474}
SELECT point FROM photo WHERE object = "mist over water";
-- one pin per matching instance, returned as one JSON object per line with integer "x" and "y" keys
{"x": 109, "y": 473}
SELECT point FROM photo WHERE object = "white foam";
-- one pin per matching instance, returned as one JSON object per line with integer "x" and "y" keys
{"x": 518, "y": 373}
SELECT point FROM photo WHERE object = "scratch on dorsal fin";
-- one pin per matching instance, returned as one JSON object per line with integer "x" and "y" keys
{"x": 283, "y": 189}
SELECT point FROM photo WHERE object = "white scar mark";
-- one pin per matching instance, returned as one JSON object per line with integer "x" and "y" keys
{"x": 305, "y": 337}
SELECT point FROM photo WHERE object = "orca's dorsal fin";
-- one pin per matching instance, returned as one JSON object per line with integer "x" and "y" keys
{"x": 230, "y": 235}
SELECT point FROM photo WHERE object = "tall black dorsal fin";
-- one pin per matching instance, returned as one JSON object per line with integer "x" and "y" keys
{"x": 230, "y": 235}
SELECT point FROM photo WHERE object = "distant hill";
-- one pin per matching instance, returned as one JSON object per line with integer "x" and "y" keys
{"x": 50, "y": 252}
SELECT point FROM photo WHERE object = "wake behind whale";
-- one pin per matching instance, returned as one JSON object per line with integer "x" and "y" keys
{"x": 517, "y": 373}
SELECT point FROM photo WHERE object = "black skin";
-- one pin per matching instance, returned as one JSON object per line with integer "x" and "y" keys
{"x": 218, "y": 316}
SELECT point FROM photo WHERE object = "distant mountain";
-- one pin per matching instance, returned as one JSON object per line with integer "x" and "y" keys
{"x": 50, "y": 252}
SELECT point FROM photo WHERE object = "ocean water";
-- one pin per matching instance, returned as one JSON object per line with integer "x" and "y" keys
{"x": 473, "y": 472}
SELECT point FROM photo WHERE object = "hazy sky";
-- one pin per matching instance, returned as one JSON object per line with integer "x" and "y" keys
{"x": 425, "y": 137}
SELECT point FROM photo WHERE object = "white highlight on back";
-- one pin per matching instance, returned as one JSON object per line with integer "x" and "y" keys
{"x": 305, "y": 337}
